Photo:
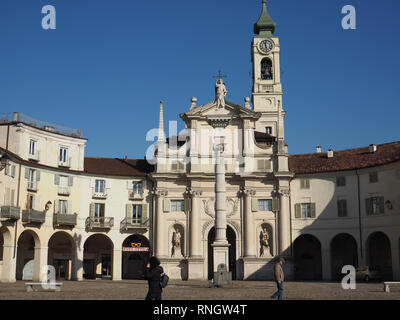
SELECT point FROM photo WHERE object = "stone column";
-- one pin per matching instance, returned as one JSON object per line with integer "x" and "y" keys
{"x": 284, "y": 223}
{"x": 326, "y": 264}
{"x": 77, "y": 264}
{"x": 249, "y": 230}
{"x": 220, "y": 245}
{"x": 117, "y": 264}
{"x": 40, "y": 259}
{"x": 395, "y": 262}
{"x": 159, "y": 234}
{"x": 194, "y": 225}
{"x": 9, "y": 264}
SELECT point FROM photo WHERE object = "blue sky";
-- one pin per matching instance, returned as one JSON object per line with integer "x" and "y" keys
{"x": 109, "y": 63}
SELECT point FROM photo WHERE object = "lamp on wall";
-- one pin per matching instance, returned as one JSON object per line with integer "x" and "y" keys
{"x": 3, "y": 161}
{"x": 389, "y": 204}
{"x": 48, "y": 205}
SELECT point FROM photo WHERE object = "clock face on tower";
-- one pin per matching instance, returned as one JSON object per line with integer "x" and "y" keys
{"x": 266, "y": 46}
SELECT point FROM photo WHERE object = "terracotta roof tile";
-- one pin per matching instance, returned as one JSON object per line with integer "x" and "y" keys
{"x": 350, "y": 159}
{"x": 117, "y": 167}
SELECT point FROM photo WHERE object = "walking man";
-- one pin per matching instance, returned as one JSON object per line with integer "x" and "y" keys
{"x": 279, "y": 277}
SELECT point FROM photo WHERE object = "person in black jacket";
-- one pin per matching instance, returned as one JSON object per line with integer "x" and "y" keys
{"x": 153, "y": 273}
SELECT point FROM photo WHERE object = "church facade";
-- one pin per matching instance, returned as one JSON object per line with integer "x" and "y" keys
{"x": 102, "y": 218}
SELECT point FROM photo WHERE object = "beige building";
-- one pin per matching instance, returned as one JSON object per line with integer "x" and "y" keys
{"x": 102, "y": 218}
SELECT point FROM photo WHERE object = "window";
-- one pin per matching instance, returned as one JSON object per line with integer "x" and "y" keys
{"x": 375, "y": 206}
{"x": 63, "y": 185}
{"x": 137, "y": 213}
{"x": 268, "y": 130}
{"x": 266, "y": 69}
{"x": 32, "y": 179}
{"x": 138, "y": 188}
{"x": 177, "y": 205}
{"x": 340, "y": 181}
{"x": 263, "y": 164}
{"x": 373, "y": 177}
{"x": 63, "y": 206}
{"x": 342, "y": 208}
{"x": 99, "y": 210}
{"x": 177, "y": 166}
{"x": 305, "y": 210}
{"x": 31, "y": 202}
{"x": 100, "y": 186}
{"x": 265, "y": 205}
{"x": 304, "y": 184}
{"x": 63, "y": 157}
{"x": 33, "y": 151}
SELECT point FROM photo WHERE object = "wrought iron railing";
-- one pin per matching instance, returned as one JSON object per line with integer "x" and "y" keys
{"x": 10, "y": 213}
{"x": 99, "y": 222}
{"x": 60, "y": 219}
{"x": 134, "y": 223}
{"x": 33, "y": 216}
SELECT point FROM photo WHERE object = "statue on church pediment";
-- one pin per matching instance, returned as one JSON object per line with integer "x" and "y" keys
{"x": 220, "y": 93}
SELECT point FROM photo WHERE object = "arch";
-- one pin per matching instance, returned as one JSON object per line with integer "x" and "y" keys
{"x": 231, "y": 236}
{"x": 266, "y": 69}
{"x": 27, "y": 257}
{"x": 135, "y": 254}
{"x": 343, "y": 252}
{"x": 97, "y": 257}
{"x": 379, "y": 255}
{"x": 61, "y": 254}
{"x": 307, "y": 258}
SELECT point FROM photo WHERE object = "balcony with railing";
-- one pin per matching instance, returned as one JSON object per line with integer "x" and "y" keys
{"x": 33, "y": 216}
{"x": 62, "y": 219}
{"x": 134, "y": 223}
{"x": 63, "y": 191}
{"x": 32, "y": 186}
{"x": 99, "y": 195}
{"x": 9, "y": 213}
{"x": 135, "y": 195}
{"x": 99, "y": 223}
{"x": 35, "y": 156}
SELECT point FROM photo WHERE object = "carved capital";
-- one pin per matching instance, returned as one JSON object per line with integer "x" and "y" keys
{"x": 248, "y": 192}
{"x": 160, "y": 192}
{"x": 194, "y": 193}
{"x": 284, "y": 192}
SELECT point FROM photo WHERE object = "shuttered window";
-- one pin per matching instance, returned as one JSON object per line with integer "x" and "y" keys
{"x": 375, "y": 206}
{"x": 340, "y": 181}
{"x": 265, "y": 205}
{"x": 305, "y": 210}
{"x": 177, "y": 205}
{"x": 373, "y": 177}
{"x": 342, "y": 208}
{"x": 304, "y": 184}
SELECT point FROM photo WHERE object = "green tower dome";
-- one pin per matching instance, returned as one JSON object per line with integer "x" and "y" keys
{"x": 265, "y": 26}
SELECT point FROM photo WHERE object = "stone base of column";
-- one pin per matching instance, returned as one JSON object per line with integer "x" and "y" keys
{"x": 195, "y": 268}
{"x": 222, "y": 276}
{"x": 176, "y": 268}
{"x": 263, "y": 268}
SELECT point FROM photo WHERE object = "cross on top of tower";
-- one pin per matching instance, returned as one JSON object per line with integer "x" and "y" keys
{"x": 220, "y": 75}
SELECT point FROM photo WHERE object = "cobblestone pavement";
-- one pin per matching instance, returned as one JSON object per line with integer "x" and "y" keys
{"x": 198, "y": 290}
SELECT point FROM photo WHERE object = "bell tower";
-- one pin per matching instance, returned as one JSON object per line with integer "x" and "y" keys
{"x": 267, "y": 87}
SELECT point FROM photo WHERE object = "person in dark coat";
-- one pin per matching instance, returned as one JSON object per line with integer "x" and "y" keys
{"x": 279, "y": 278}
{"x": 153, "y": 273}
